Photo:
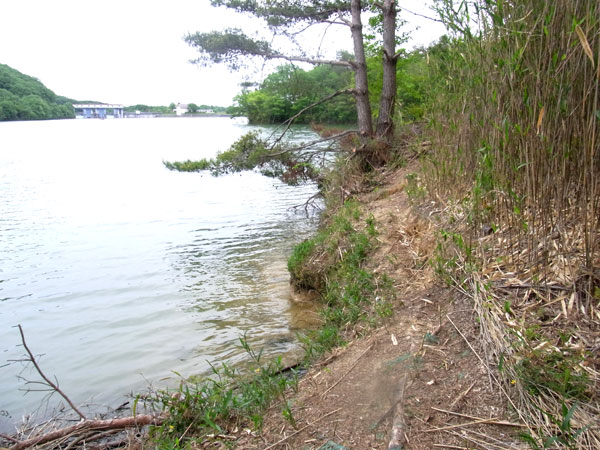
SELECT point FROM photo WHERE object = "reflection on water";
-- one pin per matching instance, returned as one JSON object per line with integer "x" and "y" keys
{"x": 236, "y": 276}
{"x": 121, "y": 271}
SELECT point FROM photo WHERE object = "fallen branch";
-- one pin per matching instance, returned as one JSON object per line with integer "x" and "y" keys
{"x": 467, "y": 424}
{"x": 8, "y": 438}
{"x": 290, "y": 121}
{"x": 398, "y": 437}
{"x": 540, "y": 287}
{"x": 461, "y": 396}
{"x": 46, "y": 379}
{"x": 301, "y": 429}
{"x": 90, "y": 437}
{"x": 508, "y": 424}
{"x": 88, "y": 425}
{"x": 398, "y": 433}
{"x": 313, "y": 143}
{"x": 450, "y": 446}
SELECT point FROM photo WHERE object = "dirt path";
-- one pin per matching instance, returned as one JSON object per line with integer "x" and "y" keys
{"x": 382, "y": 391}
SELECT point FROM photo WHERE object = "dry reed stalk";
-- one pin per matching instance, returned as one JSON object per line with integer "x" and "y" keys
{"x": 499, "y": 334}
{"x": 516, "y": 148}
{"x": 525, "y": 145}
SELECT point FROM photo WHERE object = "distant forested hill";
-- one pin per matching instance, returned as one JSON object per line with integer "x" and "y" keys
{"x": 25, "y": 98}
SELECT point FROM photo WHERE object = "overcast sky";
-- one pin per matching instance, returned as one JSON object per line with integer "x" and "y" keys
{"x": 132, "y": 51}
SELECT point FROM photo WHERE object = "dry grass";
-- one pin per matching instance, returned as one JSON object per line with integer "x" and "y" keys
{"x": 515, "y": 161}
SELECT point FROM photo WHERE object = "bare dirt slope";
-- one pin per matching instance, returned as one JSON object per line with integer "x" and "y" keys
{"x": 390, "y": 389}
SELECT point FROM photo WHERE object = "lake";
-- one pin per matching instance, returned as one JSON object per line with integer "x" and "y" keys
{"x": 122, "y": 272}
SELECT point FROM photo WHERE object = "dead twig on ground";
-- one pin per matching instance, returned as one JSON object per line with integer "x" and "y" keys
{"x": 461, "y": 396}
{"x": 450, "y": 446}
{"x": 488, "y": 370}
{"x": 508, "y": 424}
{"x": 483, "y": 444}
{"x": 348, "y": 371}
{"x": 492, "y": 421}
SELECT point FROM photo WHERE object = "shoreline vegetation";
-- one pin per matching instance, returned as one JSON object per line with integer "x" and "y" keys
{"x": 458, "y": 272}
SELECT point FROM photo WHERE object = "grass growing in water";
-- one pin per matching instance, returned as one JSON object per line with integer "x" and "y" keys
{"x": 230, "y": 399}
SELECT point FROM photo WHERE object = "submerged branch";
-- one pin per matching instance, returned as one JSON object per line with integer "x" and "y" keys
{"x": 48, "y": 382}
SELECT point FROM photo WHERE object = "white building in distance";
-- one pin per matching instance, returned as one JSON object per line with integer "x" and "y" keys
{"x": 181, "y": 109}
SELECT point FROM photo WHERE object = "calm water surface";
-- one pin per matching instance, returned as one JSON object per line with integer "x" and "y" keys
{"x": 121, "y": 271}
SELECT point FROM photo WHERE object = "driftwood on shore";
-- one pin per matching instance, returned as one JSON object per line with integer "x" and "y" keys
{"x": 91, "y": 425}
{"x": 85, "y": 430}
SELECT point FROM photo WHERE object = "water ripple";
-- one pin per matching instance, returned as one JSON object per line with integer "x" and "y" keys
{"x": 124, "y": 272}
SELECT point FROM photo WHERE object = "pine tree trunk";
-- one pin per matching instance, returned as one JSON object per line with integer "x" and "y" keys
{"x": 385, "y": 121}
{"x": 361, "y": 90}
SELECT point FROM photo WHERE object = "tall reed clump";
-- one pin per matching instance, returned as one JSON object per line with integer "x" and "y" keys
{"x": 517, "y": 117}
{"x": 515, "y": 123}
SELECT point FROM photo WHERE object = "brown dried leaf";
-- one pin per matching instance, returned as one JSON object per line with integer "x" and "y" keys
{"x": 585, "y": 44}
{"x": 540, "y": 118}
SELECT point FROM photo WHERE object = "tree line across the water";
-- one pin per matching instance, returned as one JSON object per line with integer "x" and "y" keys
{"x": 25, "y": 98}
{"x": 170, "y": 109}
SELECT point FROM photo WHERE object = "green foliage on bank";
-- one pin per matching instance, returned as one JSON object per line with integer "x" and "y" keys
{"x": 290, "y": 89}
{"x": 333, "y": 263}
{"x": 25, "y": 98}
{"x": 149, "y": 109}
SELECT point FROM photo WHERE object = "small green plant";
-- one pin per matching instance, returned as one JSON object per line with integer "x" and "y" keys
{"x": 229, "y": 398}
{"x": 444, "y": 264}
{"x": 287, "y": 414}
{"x": 566, "y": 435}
{"x": 554, "y": 372}
{"x": 452, "y": 255}
{"x": 414, "y": 189}
{"x": 371, "y": 230}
